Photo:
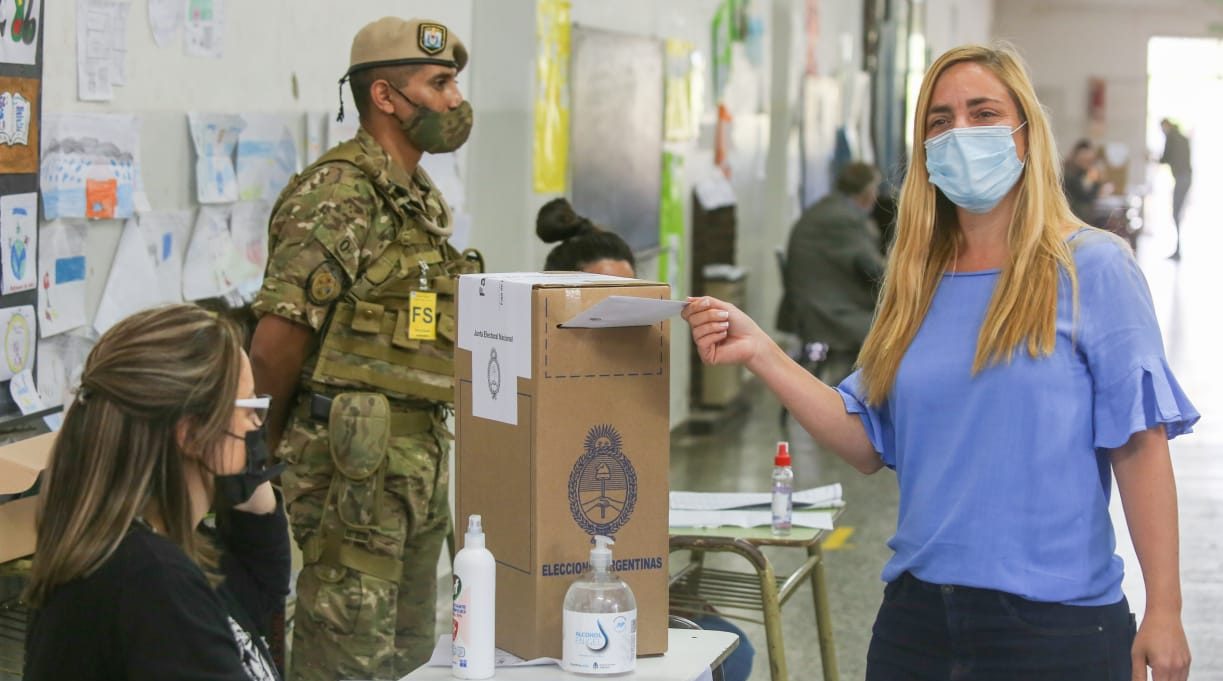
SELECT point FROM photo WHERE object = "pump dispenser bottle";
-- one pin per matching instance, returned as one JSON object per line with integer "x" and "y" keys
{"x": 600, "y": 619}
{"x": 475, "y": 585}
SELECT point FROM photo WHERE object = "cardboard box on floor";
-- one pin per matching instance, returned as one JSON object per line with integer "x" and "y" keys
{"x": 582, "y": 447}
{"x": 20, "y": 464}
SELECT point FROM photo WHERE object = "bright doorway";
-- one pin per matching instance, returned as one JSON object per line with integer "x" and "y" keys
{"x": 1185, "y": 84}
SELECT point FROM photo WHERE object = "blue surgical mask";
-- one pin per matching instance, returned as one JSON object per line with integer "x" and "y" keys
{"x": 974, "y": 166}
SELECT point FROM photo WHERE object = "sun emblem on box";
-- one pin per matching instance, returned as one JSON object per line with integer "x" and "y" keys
{"x": 603, "y": 484}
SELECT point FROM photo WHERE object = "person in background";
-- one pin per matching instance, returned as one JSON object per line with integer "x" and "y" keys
{"x": 1082, "y": 183}
{"x": 358, "y": 243}
{"x": 1176, "y": 155}
{"x": 1014, "y": 369}
{"x": 123, "y": 586}
{"x": 833, "y": 269}
{"x": 584, "y": 247}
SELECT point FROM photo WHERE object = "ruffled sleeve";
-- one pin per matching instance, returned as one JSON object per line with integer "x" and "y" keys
{"x": 853, "y": 394}
{"x": 1134, "y": 388}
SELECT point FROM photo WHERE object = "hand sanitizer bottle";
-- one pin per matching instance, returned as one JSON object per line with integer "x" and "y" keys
{"x": 475, "y": 589}
{"x": 783, "y": 489}
{"x": 600, "y": 619}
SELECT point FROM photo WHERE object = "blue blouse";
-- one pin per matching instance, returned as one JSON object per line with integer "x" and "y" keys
{"x": 1004, "y": 476}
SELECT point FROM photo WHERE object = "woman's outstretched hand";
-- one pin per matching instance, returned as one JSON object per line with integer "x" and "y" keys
{"x": 723, "y": 333}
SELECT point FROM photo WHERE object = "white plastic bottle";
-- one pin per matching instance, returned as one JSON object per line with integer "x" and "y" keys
{"x": 600, "y": 619}
{"x": 475, "y": 597}
{"x": 783, "y": 490}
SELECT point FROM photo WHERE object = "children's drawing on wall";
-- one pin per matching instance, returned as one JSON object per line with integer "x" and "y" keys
{"x": 101, "y": 48}
{"x": 61, "y": 286}
{"x": 132, "y": 283}
{"x": 248, "y": 227}
{"x": 165, "y": 235}
{"x": 19, "y": 239}
{"x": 19, "y": 28}
{"x": 18, "y": 125}
{"x": 205, "y": 28}
{"x": 90, "y": 166}
{"x": 214, "y": 137}
{"x": 17, "y": 334}
{"x": 165, "y": 16}
{"x": 212, "y": 266}
{"x": 267, "y": 157}
{"x": 59, "y": 367}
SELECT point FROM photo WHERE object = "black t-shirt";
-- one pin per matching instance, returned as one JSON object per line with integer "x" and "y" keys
{"x": 149, "y": 612}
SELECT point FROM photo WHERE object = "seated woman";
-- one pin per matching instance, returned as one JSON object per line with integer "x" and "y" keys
{"x": 587, "y": 248}
{"x": 123, "y": 585}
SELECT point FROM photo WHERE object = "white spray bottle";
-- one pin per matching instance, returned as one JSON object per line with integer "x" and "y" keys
{"x": 475, "y": 597}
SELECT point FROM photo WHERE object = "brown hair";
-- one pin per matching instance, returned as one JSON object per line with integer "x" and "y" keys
{"x": 118, "y": 456}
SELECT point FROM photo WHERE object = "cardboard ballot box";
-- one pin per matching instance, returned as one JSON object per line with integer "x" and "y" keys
{"x": 20, "y": 464}
{"x": 563, "y": 434}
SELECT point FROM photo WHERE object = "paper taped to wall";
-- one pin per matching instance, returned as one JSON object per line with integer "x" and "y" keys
{"x": 19, "y": 239}
{"x": 61, "y": 291}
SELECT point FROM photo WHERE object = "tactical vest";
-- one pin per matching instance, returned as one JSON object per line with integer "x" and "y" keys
{"x": 365, "y": 343}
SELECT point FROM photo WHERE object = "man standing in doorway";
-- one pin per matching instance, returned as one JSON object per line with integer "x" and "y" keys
{"x": 1176, "y": 155}
{"x": 355, "y": 344}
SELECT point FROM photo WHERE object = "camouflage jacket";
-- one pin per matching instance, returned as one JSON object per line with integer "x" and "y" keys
{"x": 332, "y": 225}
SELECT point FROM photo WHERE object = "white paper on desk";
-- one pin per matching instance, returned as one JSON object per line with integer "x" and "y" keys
{"x": 617, "y": 311}
{"x": 211, "y": 266}
{"x": 215, "y": 136}
{"x": 165, "y": 16}
{"x": 165, "y": 235}
{"x": 61, "y": 291}
{"x": 90, "y": 166}
{"x": 205, "y": 28}
{"x": 19, "y": 239}
{"x": 17, "y": 327}
{"x": 442, "y": 654}
{"x": 20, "y": 48}
{"x": 819, "y": 520}
{"x": 817, "y": 497}
{"x": 131, "y": 285}
{"x": 248, "y": 227}
{"x": 267, "y": 157}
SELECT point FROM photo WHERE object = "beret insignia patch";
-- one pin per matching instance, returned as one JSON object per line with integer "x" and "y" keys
{"x": 324, "y": 284}
{"x": 432, "y": 38}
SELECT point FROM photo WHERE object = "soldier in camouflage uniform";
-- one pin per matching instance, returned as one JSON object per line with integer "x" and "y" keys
{"x": 355, "y": 344}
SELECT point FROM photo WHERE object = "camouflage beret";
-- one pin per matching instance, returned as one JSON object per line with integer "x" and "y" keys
{"x": 391, "y": 41}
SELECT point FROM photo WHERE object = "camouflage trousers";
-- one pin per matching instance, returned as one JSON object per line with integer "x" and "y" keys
{"x": 349, "y": 623}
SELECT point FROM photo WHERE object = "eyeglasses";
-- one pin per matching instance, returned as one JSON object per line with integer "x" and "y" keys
{"x": 258, "y": 404}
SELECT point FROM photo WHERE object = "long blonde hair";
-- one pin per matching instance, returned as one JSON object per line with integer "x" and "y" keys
{"x": 1023, "y": 310}
{"x": 118, "y": 456}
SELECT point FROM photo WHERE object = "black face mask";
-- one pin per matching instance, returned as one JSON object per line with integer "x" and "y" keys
{"x": 240, "y": 487}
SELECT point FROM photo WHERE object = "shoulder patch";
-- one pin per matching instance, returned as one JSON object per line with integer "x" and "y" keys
{"x": 324, "y": 286}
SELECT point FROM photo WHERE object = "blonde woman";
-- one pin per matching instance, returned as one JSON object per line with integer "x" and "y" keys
{"x": 1015, "y": 358}
{"x": 122, "y": 586}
